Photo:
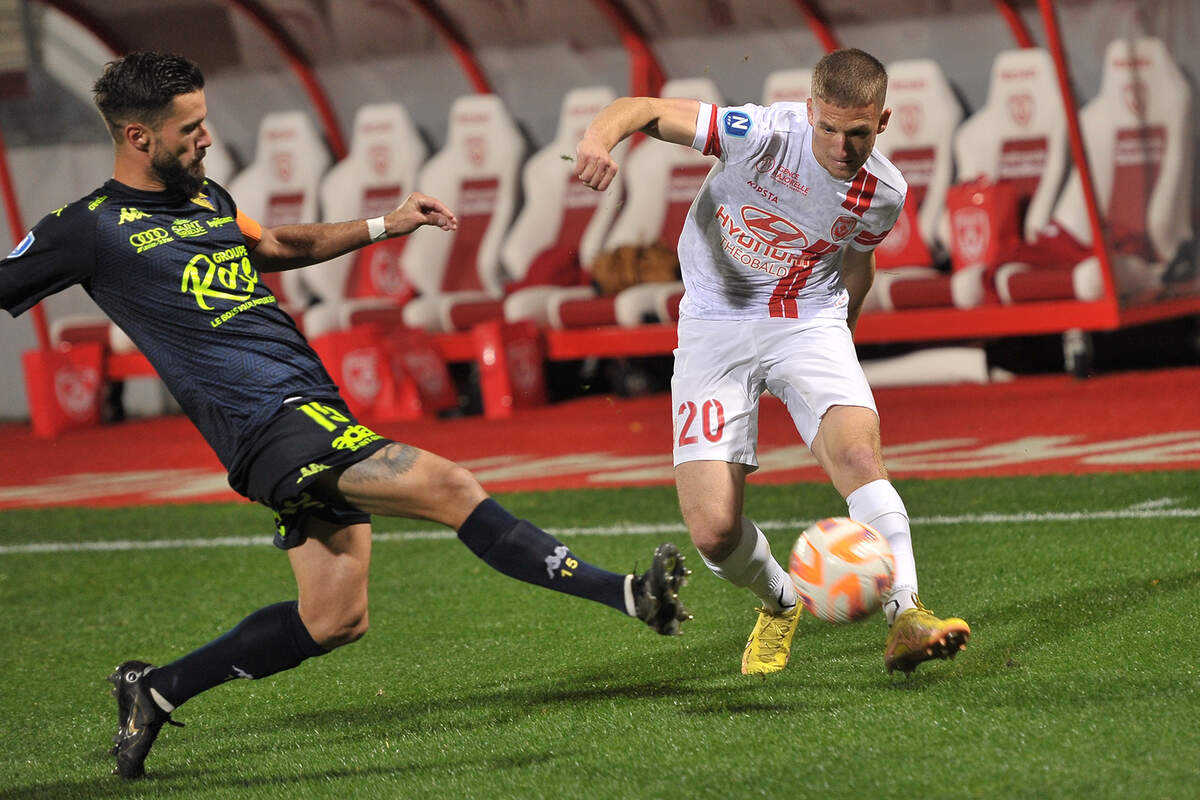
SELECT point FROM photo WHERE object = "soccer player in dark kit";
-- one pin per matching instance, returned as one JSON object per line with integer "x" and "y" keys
{"x": 168, "y": 256}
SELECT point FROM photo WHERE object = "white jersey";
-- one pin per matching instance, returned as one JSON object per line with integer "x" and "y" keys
{"x": 764, "y": 236}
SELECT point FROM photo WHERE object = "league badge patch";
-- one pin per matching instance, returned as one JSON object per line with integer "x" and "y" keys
{"x": 737, "y": 123}
{"x": 21, "y": 247}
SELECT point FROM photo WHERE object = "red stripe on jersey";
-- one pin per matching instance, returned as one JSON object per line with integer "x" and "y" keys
{"x": 870, "y": 239}
{"x": 712, "y": 145}
{"x": 862, "y": 191}
{"x": 783, "y": 299}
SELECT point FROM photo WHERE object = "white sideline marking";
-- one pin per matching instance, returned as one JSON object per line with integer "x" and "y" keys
{"x": 1139, "y": 511}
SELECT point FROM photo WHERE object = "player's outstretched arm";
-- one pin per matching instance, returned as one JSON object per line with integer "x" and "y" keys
{"x": 292, "y": 246}
{"x": 670, "y": 119}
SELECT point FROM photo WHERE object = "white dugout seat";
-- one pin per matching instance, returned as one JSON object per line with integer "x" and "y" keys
{"x": 379, "y": 172}
{"x": 919, "y": 141}
{"x": 563, "y": 223}
{"x": 661, "y": 180}
{"x": 1139, "y": 141}
{"x": 787, "y": 86}
{"x": 280, "y": 187}
{"x": 1019, "y": 136}
{"x": 476, "y": 175}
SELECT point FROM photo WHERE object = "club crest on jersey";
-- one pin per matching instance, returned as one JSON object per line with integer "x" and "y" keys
{"x": 737, "y": 123}
{"x": 842, "y": 227}
{"x": 203, "y": 201}
{"x": 22, "y": 246}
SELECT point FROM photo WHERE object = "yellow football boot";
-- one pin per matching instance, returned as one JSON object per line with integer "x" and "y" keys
{"x": 917, "y": 635}
{"x": 770, "y": 642}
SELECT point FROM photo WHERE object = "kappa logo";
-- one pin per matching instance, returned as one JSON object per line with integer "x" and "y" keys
{"x": 772, "y": 229}
{"x": 149, "y": 239}
{"x": 131, "y": 215}
{"x": 737, "y": 123}
{"x": 311, "y": 469}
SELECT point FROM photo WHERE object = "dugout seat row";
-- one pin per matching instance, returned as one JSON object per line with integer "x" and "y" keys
{"x": 1013, "y": 234}
{"x": 533, "y": 265}
{"x": 529, "y": 232}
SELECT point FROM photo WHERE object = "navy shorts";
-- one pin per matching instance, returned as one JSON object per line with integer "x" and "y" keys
{"x": 307, "y": 440}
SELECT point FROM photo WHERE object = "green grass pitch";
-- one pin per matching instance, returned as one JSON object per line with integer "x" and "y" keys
{"x": 1081, "y": 680}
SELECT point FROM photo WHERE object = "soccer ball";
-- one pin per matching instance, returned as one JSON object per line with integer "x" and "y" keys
{"x": 841, "y": 569}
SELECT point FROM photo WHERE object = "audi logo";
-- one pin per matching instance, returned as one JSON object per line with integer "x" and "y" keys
{"x": 143, "y": 238}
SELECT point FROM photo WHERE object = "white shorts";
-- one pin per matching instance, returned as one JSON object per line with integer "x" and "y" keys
{"x": 722, "y": 367}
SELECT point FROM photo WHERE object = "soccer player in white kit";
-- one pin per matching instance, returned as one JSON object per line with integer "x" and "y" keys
{"x": 777, "y": 256}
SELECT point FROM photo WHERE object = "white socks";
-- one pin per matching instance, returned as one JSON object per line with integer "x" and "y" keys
{"x": 879, "y": 505}
{"x": 752, "y": 566}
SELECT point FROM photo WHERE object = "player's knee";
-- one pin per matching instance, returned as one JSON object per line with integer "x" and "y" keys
{"x": 715, "y": 533}
{"x": 460, "y": 487}
{"x": 860, "y": 458}
{"x": 340, "y": 630}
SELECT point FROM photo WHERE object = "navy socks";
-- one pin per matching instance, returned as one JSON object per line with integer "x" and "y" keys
{"x": 523, "y": 551}
{"x": 270, "y": 640}
{"x": 274, "y": 638}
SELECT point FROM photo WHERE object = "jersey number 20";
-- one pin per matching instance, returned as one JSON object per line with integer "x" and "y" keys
{"x": 712, "y": 421}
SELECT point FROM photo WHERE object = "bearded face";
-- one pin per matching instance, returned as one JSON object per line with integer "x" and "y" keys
{"x": 178, "y": 177}
{"x": 178, "y": 144}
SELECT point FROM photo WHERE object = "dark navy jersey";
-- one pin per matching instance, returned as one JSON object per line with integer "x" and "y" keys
{"x": 176, "y": 276}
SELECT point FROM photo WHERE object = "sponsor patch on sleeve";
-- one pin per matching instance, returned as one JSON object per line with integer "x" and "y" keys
{"x": 21, "y": 247}
{"x": 737, "y": 123}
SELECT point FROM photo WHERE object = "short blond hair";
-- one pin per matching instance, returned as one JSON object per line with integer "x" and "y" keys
{"x": 850, "y": 78}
